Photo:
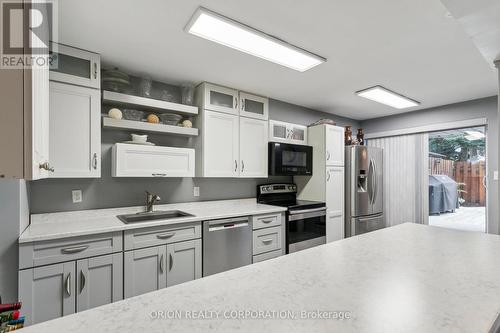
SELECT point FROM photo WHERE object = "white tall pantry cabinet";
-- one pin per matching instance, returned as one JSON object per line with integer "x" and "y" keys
{"x": 327, "y": 182}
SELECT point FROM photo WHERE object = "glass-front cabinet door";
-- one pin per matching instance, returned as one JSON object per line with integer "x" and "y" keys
{"x": 75, "y": 66}
{"x": 253, "y": 106}
{"x": 217, "y": 98}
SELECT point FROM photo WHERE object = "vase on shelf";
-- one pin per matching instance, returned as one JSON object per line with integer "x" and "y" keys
{"x": 361, "y": 137}
{"x": 348, "y": 135}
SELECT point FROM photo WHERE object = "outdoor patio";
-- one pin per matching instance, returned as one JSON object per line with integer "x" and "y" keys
{"x": 464, "y": 218}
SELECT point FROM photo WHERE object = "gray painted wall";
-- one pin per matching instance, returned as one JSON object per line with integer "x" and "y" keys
{"x": 14, "y": 218}
{"x": 51, "y": 195}
{"x": 481, "y": 108}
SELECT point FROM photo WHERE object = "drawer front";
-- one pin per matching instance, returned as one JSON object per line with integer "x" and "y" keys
{"x": 266, "y": 221}
{"x": 140, "y": 238}
{"x": 55, "y": 251}
{"x": 266, "y": 240}
{"x": 267, "y": 256}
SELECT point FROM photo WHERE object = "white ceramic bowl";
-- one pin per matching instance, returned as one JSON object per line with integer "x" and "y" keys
{"x": 139, "y": 138}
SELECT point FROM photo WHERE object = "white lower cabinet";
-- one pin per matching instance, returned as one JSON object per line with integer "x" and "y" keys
{"x": 253, "y": 148}
{"x": 161, "y": 266}
{"x": 58, "y": 290}
{"x": 129, "y": 160}
{"x": 75, "y": 131}
{"x": 334, "y": 226}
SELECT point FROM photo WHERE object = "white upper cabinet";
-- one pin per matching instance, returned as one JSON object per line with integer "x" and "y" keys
{"x": 280, "y": 131}
{"x": 37, "y": 148}
{"x": 75, "y": 66}
{"x": 130, "y": 160}
{"x": 217, "y": 98}
{"x": 253, "y": 106}
{"x": 220, "y": 147}
{"x": 75, "y": 131}
{"x": 253, "y": 148}
{"x": 334, "y": 136}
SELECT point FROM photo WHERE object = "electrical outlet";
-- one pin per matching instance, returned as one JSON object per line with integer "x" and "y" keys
{"x": 196, "y": 191}
{"x": 77, "y": 196}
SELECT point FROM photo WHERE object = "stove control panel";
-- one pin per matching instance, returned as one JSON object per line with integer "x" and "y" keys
{"x": 277, "y": 188}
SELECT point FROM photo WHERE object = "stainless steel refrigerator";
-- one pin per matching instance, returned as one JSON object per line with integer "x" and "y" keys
{"x": 364, "y": 194}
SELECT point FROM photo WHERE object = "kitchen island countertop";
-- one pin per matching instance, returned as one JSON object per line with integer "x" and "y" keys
{"x": 407, "y": 278}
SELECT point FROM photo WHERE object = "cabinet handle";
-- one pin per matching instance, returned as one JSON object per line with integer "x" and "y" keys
{"x": 328, "y": 155}
{"x": 243, "y": 104}
{"x": 328, "y": 176}
{"x": 46, "y": 166}
{"x": 171, "y": 262}
{"x": 267, "y": 221}
{"x": 72, "y": 250}
{"x": 266, "y": 241}
{"x": 159, "y": 174}
{"x": 165, "y": 235}
{"x": 95, "y": 70}
{"x": 235, "y": 165}
{"x": 67, "y": 284}
{"x": 236, "y": 103}
{"x": 94, "y": 161}
{"x": 242, "y": 165}
{"x": 161, "y": 264}
{"x": 82, "y": 281}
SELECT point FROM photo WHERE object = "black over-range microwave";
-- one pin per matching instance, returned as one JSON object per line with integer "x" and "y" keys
{"x": 290, "y": 160}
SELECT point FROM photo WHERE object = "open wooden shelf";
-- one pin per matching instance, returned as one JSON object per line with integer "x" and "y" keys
{"x": 141, "y": 126}
{"x": 143, "y": 103}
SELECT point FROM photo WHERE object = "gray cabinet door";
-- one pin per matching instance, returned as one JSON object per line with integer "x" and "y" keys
{"x": 47, "y": 292}
{"x": 99, "y": 281}
{"x": 145, "y": 270}
{"x": 184, "y": 262}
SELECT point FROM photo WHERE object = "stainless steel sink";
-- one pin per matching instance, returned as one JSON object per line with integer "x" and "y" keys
{"x": 152, "y": 216}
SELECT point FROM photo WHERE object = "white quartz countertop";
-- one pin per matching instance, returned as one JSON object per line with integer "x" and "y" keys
{"x": 408, "y": 278}
{"x": 87, "y": 222}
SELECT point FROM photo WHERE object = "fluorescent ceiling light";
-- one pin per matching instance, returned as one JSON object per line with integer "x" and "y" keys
{"x": 385, "y": 96}
{"x": 225, "y": 31}
{"x": 474, "y": 135}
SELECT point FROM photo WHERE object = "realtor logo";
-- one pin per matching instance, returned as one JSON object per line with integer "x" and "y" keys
{"x": 27, "y": 30}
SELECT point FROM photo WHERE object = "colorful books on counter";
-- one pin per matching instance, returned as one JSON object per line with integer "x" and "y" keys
{"x": 10, "y": 317}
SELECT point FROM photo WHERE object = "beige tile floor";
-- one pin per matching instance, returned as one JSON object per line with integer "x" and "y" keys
{"x": 464, "y": 218}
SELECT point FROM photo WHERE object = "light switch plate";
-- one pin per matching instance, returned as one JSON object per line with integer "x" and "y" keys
{"x": 196, "y": 191}
{"x": 495, "y": 175}
{"x": 77, "y": 196}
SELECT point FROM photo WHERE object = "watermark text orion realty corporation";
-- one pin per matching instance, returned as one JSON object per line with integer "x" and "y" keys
{"x": 27, "y": 32}
{"x": 250, "y": 315}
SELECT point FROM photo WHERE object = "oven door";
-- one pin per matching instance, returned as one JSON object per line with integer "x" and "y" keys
{"x": 290, "y": 160}
{"x": 305, "y": 229}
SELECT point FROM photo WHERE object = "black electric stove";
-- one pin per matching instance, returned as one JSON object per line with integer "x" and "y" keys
{"x": 305, "y": 220}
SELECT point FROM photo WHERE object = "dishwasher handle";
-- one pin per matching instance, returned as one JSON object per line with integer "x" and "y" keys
{"x": 227, "y": 224}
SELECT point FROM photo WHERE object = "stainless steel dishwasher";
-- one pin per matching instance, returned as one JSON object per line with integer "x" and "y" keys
{"x": 227, "y": 244}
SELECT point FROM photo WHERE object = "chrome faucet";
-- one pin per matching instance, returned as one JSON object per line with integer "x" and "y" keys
{"x": 151, "y": 199}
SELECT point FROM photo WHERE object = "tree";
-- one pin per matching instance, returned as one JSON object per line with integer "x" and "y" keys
{"x": 457, "y": 148}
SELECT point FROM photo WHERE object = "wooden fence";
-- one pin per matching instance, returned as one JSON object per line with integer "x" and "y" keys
{"x": 471, "y": 174}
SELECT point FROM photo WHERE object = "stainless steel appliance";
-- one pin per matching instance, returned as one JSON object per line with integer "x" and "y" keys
{"x": 290, "y": 160}
{"x": 305, "y": 220}
{"x": 227, "y": 244}
{"x": 364, "y": 189}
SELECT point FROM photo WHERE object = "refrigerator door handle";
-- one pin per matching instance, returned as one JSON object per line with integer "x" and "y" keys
{"x": 370, "y": 181}
{"x": 375, "y": 182}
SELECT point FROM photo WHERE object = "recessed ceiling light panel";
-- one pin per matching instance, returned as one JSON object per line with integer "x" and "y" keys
{"x": 225, "y": 31}
{"x": 385, "y": 96}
